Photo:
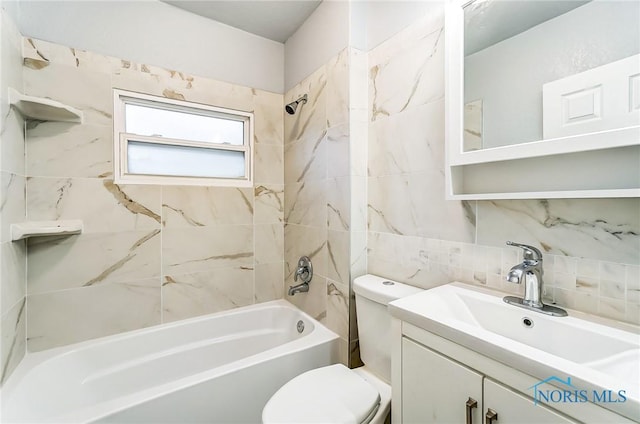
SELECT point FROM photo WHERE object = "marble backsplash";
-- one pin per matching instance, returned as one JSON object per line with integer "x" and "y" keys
{"x": 148, "y": 254}
{"x": 608, "y": 289}
{"x": 12, "y": 204}
{"x": 591, "y": 246}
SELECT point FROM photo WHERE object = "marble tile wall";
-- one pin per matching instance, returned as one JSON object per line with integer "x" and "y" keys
{"x": 12, "y": 204}
{"x": 359, "y": 123}
{"x": 148, "y": 254}
{"x": 317, "y": 210}
{"x": 591, "y": 246}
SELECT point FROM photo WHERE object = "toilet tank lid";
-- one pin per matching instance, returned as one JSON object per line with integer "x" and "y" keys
{"x": 379, "y": 290}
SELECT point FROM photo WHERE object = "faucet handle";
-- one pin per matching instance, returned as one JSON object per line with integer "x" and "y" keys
{"x": 304, "y": 270}
{"x": 530, "y": 252}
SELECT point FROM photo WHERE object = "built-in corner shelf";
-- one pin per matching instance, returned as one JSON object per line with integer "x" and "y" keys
{"x": 41, "y": 109}
{"x": 28, "y": 229}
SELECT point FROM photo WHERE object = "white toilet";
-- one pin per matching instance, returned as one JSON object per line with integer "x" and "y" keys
{"x": 337, "y": 394}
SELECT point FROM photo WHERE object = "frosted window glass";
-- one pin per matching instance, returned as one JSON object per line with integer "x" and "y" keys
{"x": 150, "y": 121}
{"x": 162, "y": 159}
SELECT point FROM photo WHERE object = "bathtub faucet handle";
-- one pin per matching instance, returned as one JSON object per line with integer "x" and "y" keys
{"x": 305, "y": 272}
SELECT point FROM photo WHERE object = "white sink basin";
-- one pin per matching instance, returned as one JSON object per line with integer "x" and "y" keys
{"x": 571, "y": 338}
{"x": 596, "y": 352}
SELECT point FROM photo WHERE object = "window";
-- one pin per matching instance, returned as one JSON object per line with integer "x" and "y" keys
{"x": 166, "y": 141}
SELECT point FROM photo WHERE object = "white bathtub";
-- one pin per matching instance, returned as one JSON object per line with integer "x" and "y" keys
{"x": 219, "y": 368}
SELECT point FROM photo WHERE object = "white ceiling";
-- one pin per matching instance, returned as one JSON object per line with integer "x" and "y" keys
{"x": 275, "y": 20}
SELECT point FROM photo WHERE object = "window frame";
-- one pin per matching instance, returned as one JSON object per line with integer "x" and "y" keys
{"x": 121, "y": 139}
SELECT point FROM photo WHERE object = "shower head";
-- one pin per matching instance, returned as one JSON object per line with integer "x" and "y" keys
{"x": 291, "y": 107}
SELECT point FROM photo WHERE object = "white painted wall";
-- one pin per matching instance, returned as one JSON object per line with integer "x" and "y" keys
{"x": 322, "y": 36}
{"x": 386, "y": 18}
{"x": 153, "y": 32}
{"x": 156, "y": 33}
{"x": 336, "y": 24}
{"x": 11, "y": 8}
{"x": 508, "y": 76}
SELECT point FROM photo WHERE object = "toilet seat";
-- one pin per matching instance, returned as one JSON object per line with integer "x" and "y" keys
{"x": 333, "y": 394}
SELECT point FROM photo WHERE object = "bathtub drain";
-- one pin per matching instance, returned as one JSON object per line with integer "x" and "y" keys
{"x": 300, "y": 326}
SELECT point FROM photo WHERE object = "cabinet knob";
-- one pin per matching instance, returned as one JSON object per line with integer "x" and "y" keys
{"x": 490, "y": 416}
{"x": 471, "y": 404}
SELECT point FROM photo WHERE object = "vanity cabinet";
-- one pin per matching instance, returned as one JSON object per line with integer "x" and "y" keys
{"x": 513, "y": 407}
{"x": 435, "y": 380}
{"x": 436, "y": 389}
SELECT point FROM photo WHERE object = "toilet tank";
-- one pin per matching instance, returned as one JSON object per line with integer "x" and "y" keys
{"x": 373, "y": 294}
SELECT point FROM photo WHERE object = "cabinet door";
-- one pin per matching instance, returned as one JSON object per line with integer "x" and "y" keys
{"x": 436, "y": 389}
{"x": 515, "y": 408}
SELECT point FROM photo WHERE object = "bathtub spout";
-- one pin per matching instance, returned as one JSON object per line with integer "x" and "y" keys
{"x": 300, "y": 288}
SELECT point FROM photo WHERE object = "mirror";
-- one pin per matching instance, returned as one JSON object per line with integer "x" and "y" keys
{"x": 542, "y": 99}
{"x": 539, "y": 70}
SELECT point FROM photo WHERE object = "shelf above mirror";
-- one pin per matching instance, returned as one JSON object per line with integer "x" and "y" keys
{"x": 42, "y": 109}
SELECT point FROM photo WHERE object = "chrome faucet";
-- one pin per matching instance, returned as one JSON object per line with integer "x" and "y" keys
{"x": 530, "y": 272}
{"x": 305, "y": 273}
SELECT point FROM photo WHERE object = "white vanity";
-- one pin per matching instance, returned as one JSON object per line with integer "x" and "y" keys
{"x": 460, "y": 354}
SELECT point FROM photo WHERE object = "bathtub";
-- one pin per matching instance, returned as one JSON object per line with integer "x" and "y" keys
{"x": 219, "y": 368}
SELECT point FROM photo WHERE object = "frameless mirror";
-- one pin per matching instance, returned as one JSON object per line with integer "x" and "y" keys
{"x": 537, "y": 70}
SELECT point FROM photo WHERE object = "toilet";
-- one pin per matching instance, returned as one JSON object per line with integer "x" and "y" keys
{"x": 337, "y": 394}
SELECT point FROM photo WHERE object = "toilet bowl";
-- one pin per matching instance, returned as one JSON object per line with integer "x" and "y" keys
{"x": 337, "y": 394}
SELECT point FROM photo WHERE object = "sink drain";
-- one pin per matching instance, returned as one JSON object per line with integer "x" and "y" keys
{"x": 527, "y": 322}
{"x": 300, "y": 326}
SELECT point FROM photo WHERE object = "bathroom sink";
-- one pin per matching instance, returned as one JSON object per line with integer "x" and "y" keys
{"x": 597, "y": 353}
{"x": 570, "y": 338}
